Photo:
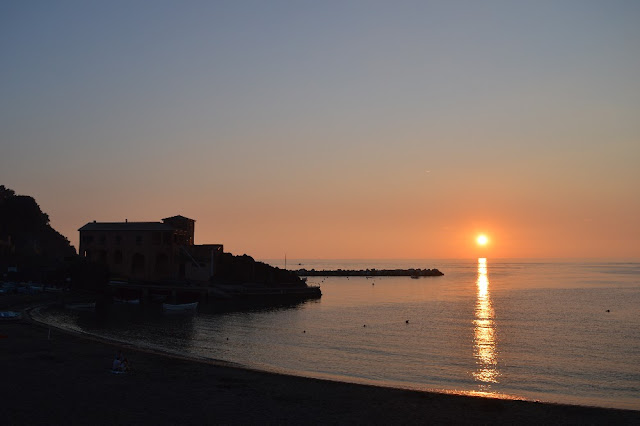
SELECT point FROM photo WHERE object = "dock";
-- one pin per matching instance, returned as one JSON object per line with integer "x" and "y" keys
{"x": 206, "y": 293}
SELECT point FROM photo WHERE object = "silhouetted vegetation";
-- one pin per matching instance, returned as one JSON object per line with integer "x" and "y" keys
{"x": 28, "y": 243}
{"x": 244, "y": 269}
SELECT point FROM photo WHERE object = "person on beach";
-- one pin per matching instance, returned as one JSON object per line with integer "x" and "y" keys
{"x": 120, "y": 363}
{"x": 116, "y": 364}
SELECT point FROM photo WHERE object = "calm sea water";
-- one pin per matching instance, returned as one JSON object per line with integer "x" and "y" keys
{"x": 517, "y": 329}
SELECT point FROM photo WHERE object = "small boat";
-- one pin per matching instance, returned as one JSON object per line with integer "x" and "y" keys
{"x": 10, "y": 315}
{"x": 415, "y": 277}
{"x": 179, "y": 308}
{"x": 82, "y": 306}
{"x": 158, "y": 297}
{"x": 128, "y": 301}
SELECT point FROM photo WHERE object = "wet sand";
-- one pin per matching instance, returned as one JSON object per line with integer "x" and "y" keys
{"x": 66, "y": 379}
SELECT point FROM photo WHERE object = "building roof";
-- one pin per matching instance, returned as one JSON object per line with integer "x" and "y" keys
{"x": 178, "y": 217}
{"x": 126, "y": 226}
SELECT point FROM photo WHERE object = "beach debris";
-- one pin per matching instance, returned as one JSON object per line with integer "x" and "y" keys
{"x": 608, "y": 310}
{"x": 406, "y": 322}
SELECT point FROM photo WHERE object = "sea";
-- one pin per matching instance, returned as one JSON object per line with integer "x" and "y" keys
{"x": 561, "y": 331}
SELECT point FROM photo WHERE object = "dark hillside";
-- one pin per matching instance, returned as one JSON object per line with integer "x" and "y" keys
{"x": 27, "y": 240}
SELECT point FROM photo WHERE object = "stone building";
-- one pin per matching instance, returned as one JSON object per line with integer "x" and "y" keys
{"x": 150, "y": 251}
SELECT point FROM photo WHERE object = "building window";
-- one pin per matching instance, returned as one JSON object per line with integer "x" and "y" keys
{"x": 87, "y": 239}
{"x": 103, "y": 239}
{"x": 138, "y": 239}
{"x": 162, "y": 263}
{"x": 118, "y": 239}
{"x": 117, "y": 257}
{"x": 137, "y": 264}
{"x": 155, "y": 238}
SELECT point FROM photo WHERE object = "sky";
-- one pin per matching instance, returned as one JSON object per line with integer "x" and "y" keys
{"x": 332, "y": 129}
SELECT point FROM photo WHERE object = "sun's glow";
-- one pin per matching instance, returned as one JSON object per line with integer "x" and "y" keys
{"x": 482, "y": 240}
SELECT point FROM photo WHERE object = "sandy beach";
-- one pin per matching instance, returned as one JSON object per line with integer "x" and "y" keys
{"x": 61, "y": 378}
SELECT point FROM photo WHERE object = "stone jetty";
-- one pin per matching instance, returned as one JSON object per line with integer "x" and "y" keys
{"x": 370, "y": 273}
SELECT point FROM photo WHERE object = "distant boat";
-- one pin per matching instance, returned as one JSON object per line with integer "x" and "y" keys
{"x": 170, "y": 308}
{"x": 415, "y": 277}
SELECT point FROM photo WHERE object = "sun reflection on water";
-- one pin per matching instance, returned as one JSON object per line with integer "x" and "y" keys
{"x": 484, "y": 342}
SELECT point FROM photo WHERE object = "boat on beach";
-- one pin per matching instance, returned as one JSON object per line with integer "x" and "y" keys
{"x": 81, "y": 306}
{"x": 128, "y": 301}
{"x": 183, "y": 308}
{"x": 158, "y": 297}
{"x": 10, "y": 315}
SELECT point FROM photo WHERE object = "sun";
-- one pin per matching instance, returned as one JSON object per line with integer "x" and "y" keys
{"x": 482, "y": 240}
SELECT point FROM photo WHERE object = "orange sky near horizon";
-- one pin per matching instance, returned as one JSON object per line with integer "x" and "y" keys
{"x": 332, "y": 232}
{"x": 333, "y": 130}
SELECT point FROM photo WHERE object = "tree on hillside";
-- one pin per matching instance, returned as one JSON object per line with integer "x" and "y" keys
{"x": 27, "y": 239}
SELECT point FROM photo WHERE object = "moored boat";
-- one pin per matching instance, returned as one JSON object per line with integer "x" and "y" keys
{"x": 127, "y": 301}
{"x": 81, "y": 306}
{"x": 179, "y": 308}
{"x": 10, "y": 315}
{"x": 158, "y": 297}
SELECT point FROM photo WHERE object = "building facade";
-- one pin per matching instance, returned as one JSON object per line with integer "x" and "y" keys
{"x": 150, "y": 251}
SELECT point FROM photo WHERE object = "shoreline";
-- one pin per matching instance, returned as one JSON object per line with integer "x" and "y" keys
{"x": 66, "y": 379}
{"x": 186, "y": 356}
{"x": 157, "y": 350}
{"x": 222, "y": 363}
